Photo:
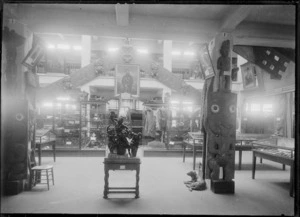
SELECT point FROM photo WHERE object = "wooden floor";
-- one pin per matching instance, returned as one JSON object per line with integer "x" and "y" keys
{"x": 79, "y": 185}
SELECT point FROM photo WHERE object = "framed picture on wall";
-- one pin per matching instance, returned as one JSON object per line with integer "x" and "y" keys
{"x": 249, "y": 76}
{"x": 127, "y": 79}
{"x": 35, "y": 54}
{"x": 205, "y": 62}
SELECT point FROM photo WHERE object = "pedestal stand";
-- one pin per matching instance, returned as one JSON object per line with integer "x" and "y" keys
{"x": 118, "y": 162}
{"x": 222, "y": 187}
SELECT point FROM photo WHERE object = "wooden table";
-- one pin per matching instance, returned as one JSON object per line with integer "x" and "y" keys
{"x": 276, "y": 157}
{"x": 43, "y": 138}
{"x": 243, "y": 147}
{"x": 121, "y": 163}
{"x": 196, "y": 141}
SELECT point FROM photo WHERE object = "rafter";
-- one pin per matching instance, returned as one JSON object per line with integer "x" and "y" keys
{"x": 235, "y": 18}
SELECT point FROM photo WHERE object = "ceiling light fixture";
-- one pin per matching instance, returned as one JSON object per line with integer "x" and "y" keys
{"x": 77, "y": 47}
{"x": 63, "y": 46}
{"x": 51, "y": 46}
{"x": 142, "y": 50}
{"x": 187, "y": 103}
{"x": 188, "y": 53}
{"x": 176, "y": 53}
{"x": 63, "y": 98}
{"x": 48, "y": 104}
{"x": 113, "y": 49}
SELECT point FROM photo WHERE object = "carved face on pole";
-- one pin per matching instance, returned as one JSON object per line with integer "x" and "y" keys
{"x": 220, "y": 124}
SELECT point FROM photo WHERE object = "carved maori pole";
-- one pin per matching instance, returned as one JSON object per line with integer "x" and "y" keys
{"x": 219, "y": 118}
{"x": 15, "y": 117}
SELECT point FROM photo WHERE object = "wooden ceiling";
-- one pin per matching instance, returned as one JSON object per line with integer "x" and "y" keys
{"x": 257, "y": 25}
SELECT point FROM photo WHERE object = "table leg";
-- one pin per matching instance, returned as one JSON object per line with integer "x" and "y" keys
{"x": 240, "y": 159}
{"x": 137, "y": 187}
{"x": 283, "y": 166}
{"x": 184, "y": 148}
{"x": 54, "y": 150}
{"x": 292, "y": 181}
{"x": 261, "y": 160}
{"x": 52, "y": 176}
{"x": 194, "y": 157}
{"x": 47, "y": 173}
{"x": 253, "y": 165}
{"x": 106, "y": 171}
{"x": 40, "y": 153}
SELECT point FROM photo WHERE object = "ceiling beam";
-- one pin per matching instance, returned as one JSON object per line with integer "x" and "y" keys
{"x": 122, "y": 14}
{"x": 269, "y": 35}
{"x": 152, "y": 27}
{"x": 265, "y": 42}
{"x": 235, "y": 18}
{"x": 104, "y": 24}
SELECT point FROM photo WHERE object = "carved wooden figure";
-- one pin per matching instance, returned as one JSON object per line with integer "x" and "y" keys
{"x": 224, "y": 65}
{"x": 220, "y": 127}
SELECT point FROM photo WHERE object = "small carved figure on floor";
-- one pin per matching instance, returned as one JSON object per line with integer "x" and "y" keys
{"x": 197, "y": 183}
{"x": 193, "y": 176}
{"x": 197, "y": 186}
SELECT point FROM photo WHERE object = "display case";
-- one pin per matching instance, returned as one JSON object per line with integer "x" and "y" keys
{"x": 67, "y": 126}
{"x": 193, "y": 140}
{"x": 43, "y": 136}
{"x": 94, "y": 120}
{"x": 136, "y": 120}
{"x": 185, "y": 118}
{"x": 280, "y": 150}
{"x": 45, "y": 139}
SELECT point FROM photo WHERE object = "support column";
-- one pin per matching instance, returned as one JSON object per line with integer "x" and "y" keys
{"x": 86, "y": 41}
{"x": 289, "y": 115}
{"x": 167, "y": 55}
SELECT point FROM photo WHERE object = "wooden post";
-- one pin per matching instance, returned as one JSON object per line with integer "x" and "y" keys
{"x": 219, "y": 117}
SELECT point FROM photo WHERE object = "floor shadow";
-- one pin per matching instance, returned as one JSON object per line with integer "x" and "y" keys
{"x": 118, "y": 200}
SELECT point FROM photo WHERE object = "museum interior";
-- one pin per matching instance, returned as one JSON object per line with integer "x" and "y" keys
{"x": 149, "y": 109}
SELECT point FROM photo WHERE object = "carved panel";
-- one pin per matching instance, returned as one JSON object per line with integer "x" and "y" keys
{"x": 16, "y": 139}
{"x": 220, "y": 126}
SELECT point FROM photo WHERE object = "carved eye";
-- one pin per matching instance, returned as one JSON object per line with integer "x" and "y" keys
{"x": 215, "y": 108}
{"x": 19, "y": 117}
{"x": 232, "y": 108}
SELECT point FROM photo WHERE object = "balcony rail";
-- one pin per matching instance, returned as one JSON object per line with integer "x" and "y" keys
{"x": 69, "y": 68}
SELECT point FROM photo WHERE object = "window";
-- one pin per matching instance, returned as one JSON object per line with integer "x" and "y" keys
{"x": 139, "y": 105}
{"x": 188, "y": 108}
{"x": 267, "y": 108}
{"x": 255, "y": 107}
{"x": 113, "y": 104}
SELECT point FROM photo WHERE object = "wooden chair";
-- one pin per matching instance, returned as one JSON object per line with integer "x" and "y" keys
{"x": 42, "y": 173}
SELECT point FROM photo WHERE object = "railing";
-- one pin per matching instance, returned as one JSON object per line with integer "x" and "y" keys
{"x": 69, "y": 68}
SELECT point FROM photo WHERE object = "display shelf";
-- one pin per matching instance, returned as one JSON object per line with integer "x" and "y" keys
{"x": 44, "y": 136}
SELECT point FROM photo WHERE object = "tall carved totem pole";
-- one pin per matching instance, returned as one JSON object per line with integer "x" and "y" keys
{"x": 219, "y": 118}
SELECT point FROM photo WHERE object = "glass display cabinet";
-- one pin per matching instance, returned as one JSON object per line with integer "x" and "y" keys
{"x": 195, "y": 141}
{"x": 45, "y": 139}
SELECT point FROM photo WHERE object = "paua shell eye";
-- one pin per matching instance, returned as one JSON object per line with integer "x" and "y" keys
{"x": 232, "y": 108}
{"x": 215, "y": 108}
